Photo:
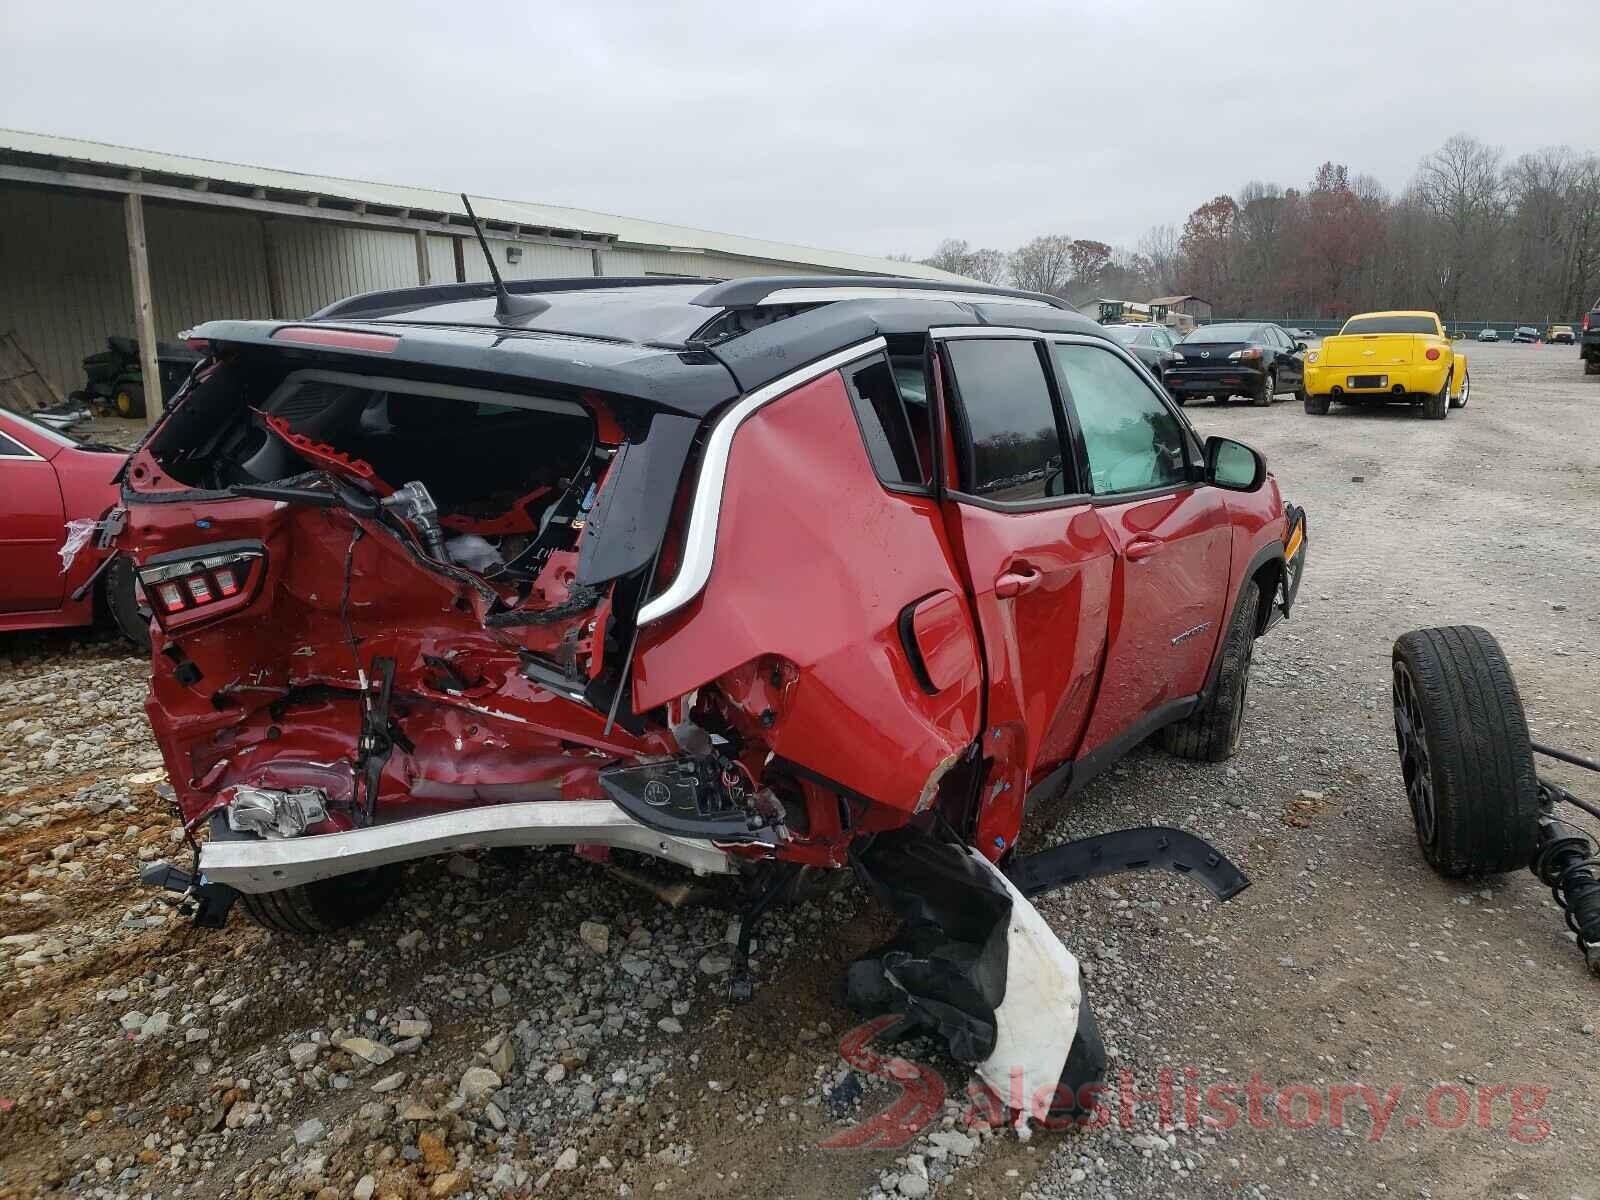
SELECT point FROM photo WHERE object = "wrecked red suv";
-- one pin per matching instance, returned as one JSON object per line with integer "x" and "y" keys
{"x": 729, "y": 574}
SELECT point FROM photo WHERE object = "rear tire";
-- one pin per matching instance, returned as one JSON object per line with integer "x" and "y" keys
{"x": 1464, "y": 752}
{"x": 1591, "y": 366}
{"x": 1269, "y": 389}
{"x": 1211, "y": 734}
{"x": 325, "y": 906}
{"x": 1437, "y": 407}
{"x": 1460, "y": 400}
{"x": 1317, "y": 406}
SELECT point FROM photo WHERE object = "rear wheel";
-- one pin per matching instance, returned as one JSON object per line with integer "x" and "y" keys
{"x": 324, "y": 906}
{"x": 1464, "y": 751}
{"x": 1437, "y": 406}
{"x": 128, "y": 400}
{"x": 1591, "y": 366}
{"x": 1460, "y": 401}
{"x": 1316, "y": 405}
{"x": 1211, "y": 734}
{"x": 1269, "y": 389}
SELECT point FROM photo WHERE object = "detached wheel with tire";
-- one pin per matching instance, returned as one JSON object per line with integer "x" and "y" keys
{"x": 1317, "y": 406}
{"x": 1211, "y": 733}
{"x": 1437, "y": 406}
{"x": 1464, "y": 751}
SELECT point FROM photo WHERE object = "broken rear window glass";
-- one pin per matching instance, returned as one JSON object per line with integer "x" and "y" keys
{"x": 886, "y": 426}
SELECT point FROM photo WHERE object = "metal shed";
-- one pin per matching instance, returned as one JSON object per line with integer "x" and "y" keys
{"x": 99, "y": 240}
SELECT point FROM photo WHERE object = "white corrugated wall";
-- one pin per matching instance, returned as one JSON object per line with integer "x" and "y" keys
{"x": 320, "y": 263}
{"x": 63, "y": 277}
{"x": 64, "y": 268}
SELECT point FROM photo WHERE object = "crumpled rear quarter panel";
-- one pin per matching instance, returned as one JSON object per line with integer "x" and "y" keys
{"x": 815, "y": 560}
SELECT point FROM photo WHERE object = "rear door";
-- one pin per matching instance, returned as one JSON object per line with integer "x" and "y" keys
{"x": 32, "y": 523}
{"x": 1291, "y": 363}
{"x": 1170, "y": 533}
{"x": 1037, "y": 562}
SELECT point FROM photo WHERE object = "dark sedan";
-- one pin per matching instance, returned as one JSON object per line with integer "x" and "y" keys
{"x": 1150, "y": 344}
{"x": 1236, "y": 358}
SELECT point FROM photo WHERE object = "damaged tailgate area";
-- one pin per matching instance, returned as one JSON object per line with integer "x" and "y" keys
{"x": 382, "y": 588}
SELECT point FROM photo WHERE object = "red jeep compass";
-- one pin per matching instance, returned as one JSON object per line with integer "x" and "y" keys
{"x": 734, "y": 575}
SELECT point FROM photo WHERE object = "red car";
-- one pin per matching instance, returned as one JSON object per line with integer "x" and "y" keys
{"x": 47, "y": 479}
{"x": 734, "y": 575}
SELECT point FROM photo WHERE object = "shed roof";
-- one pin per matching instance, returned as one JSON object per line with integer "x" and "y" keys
{"x": 204, "y": 173}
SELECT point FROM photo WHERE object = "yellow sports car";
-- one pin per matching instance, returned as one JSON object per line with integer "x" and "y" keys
{"x": 1387, "y": 357}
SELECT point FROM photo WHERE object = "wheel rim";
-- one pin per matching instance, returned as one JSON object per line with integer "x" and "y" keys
{"x": 1411, "y": 737}
{"x": 1466, "y": 390}
{"x": 124, "y": 403}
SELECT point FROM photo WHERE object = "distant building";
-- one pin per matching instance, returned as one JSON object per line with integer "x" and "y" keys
{"x": 99, "y": 240}
{"x": 1171, "y": 310}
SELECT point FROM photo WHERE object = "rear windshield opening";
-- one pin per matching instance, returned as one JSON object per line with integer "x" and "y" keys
{"x": 496, "y": 464}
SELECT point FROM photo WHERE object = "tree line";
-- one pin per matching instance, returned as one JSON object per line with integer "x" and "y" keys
{"x": 1473, "y": 236}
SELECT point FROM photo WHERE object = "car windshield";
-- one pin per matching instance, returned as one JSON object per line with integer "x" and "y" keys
{"x": 1222, "y": 333}
{"x": 1399, "y": 324}
{"x": 1125, "y": 334}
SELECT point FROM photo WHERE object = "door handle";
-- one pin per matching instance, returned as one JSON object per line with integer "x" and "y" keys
{"x": 1142, "y": 547}
{"x": 1016, "y": 583}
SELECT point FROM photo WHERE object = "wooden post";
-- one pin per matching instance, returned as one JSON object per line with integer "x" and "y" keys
{"x": 144, "y": 317}
{"x": 424, "y": 278}
{"x": 461, "y": 262}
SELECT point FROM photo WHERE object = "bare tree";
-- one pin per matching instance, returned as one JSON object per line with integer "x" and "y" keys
{"x": 1044, "y": 264}
{"x": 958, "y": 256}
{"x": 1158, "y": 251}
{"x": 1460, "y": 184}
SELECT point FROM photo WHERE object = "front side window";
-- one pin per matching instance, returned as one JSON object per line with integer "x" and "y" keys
{"x": 1010, "y": 418}
{"x": 1133, "y": 441}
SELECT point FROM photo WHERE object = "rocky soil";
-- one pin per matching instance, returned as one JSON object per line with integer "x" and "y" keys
{"x": 528, "y": 1024}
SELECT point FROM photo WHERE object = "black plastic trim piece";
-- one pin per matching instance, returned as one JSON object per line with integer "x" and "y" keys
{"x": 1077, "y": 773}
{"x": 908, "y": 642}
{"x": 752, "y": 290}
{"x": 1127, "y": 850}
{"x": 369, "y": 303}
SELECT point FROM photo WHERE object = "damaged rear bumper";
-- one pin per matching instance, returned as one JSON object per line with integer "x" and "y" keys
{"x": 258, "y": 865}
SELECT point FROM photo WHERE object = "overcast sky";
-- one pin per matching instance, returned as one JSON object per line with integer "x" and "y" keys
{"x": 857, "y": 126}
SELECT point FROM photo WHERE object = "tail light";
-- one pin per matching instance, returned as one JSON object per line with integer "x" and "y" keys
{"x": 203, "y": 581}
{"x": 1244, "y": 355}
{"x": 1586, "y": 317}
{"x": 1432, "y": 354}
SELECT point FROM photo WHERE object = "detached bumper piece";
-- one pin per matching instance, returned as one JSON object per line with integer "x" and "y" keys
{"x": 258, "y": 865}
{"x": 1128, "y": 850}
{"x": 976, "y": 964}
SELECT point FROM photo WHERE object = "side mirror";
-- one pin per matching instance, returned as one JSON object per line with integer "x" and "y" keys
{"x": 1300, "y": 347}
{"x": 1233, "y": 465}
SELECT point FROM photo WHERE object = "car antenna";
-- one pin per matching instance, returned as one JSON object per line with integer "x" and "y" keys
{"x": 506, "y": 306}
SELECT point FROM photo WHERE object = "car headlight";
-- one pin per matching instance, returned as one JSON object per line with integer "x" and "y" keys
{"x": 1313, "y": 356}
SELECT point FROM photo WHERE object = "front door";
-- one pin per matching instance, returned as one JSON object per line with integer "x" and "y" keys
{"x": 31, "y": 531}
{"x": 1038, "y": 565}
{"x": 1170, "y": 533}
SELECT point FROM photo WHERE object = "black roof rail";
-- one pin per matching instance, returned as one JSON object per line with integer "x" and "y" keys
{"x": 446, "y": 293}
{"x": 781, "y": 289}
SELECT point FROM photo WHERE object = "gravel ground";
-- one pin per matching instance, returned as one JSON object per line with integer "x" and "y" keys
{"x": 528, "y": 1024}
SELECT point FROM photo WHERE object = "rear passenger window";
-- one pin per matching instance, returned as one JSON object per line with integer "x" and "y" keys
{"x": 1016, "y": 445}
{"x": 884, "y": 425}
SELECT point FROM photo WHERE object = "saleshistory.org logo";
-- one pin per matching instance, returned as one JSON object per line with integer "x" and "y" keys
{"x": 1181, "y": 1093}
